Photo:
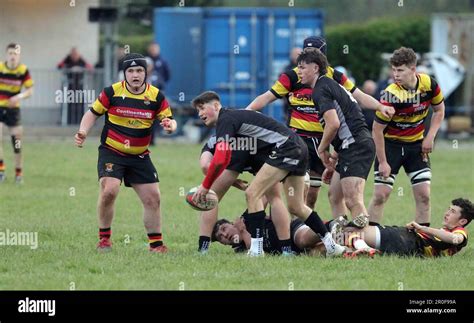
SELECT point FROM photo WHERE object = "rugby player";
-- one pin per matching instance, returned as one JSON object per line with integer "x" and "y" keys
{"x": 286, "y": 161}
{"x": 400, "y": 140}
{"x": 345, "y": 129}
{"x": 303, "y": 118}
{"x": 13, "y": 77}
{"x": 130, "y": 107}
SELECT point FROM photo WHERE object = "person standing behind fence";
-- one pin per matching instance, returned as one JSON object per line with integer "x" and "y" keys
{"x": 159, "y": 74}
{"x": 13, "y": 76}
{"x": 74, "y": 66}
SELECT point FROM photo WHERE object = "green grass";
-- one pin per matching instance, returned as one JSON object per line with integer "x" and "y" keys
{"x": 67, "y": 231}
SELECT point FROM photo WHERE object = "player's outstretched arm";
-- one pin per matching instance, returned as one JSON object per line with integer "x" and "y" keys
{"x": 261, "y": 101}
{"x": 368, "y": 102}
{"x": 87, "y": 122}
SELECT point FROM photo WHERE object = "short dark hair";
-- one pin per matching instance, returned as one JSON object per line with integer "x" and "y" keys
{"x": 12, "y": 45}
{"x": 313, "y": 55}
{"x": 402, "y": 56}
{"x": 216, "y": 228}
{"x": 204, "y": 98}
{"x": 467, "y": 208}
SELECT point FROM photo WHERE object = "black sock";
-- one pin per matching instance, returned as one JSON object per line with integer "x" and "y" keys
{"x": 372, "y": 223}
{"x": 155, "y": 240}
{"x": 316, "y": 224}
{"x": 204, "y": 243}
{"x": 285, "y": 245}
{"x": 426, "y": 224}
{"x": 105, "y": 233}
{"x": 255, "y": 223}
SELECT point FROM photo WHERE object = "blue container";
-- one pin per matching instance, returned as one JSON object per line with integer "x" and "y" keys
{"x": 237, "y": 52}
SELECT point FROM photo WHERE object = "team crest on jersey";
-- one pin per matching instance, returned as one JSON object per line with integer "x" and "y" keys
{"x": 109, "y": 167}
{"x": 146, "y": 100}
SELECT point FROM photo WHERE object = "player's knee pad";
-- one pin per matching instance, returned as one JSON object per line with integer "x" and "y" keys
{"x": 380, "y": 180}
{"x": 420, "y": 176}
{"x": 315, "y": 181}
{"x": 16, "y": 142}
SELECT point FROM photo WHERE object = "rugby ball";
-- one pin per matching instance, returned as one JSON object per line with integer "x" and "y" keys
{"x": 210, "y": 202}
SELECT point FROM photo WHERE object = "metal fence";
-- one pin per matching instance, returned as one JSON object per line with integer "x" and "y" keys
{"x": 61, "y": 96}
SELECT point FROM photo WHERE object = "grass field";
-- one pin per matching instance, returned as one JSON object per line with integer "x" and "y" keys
{"x": 58, "y": 200}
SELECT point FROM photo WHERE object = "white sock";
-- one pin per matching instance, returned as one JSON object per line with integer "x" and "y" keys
{"x": 256, "y": 245}
{"x": 360, "y": 244}
{"x": 329, "y": 243}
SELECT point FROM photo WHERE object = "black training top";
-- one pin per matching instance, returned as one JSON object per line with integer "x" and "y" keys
{"x": 263, "y": 131}
{"x": 271, "y": 243}
{"x": 327, "y": 95}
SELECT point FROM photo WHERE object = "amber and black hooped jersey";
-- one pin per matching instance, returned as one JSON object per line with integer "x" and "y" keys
{"x": 434, "y": 247}
{"x": 11, "y": 82}
{"x": 129, "y": 117}
{"x": 411, "y": 108}
{"x": 303, "y": 116}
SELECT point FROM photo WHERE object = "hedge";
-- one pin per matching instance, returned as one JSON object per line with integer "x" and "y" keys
{"x": 358, "y": 47}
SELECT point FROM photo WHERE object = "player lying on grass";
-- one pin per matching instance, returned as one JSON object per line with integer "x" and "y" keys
{"x": 303, "y": 239}
{"x": 415, "y": 239}
{"x": 411, "y": 240}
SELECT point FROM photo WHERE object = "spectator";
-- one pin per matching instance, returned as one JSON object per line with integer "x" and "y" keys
{"x": 161, "y": 71}
{"x": 293, "y": 56}
{"x": 369, "y": 87}
{"x": 74, "y": 65}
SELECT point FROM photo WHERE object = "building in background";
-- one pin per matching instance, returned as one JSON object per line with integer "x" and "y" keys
{"x": 46, "y": 30}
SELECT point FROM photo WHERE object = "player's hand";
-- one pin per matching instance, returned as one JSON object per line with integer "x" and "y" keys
{"x": 327, "y": 176}
{"x": 240, "y": 184}
{"x": 333, "y": 157}
{"x": 413, "y": 226}
{"x": 169, "y": 125}
{"x": 324, "y": 156}
{"x": 13, "y": 101}
{"x": 427, "y": 145}
{"x": 240, "y": 224}
{"x": 387, "y": 111}
{"x": 200, "y": 194}
{"x": 79, "y": 138}
{"x": 384, "y": 169}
